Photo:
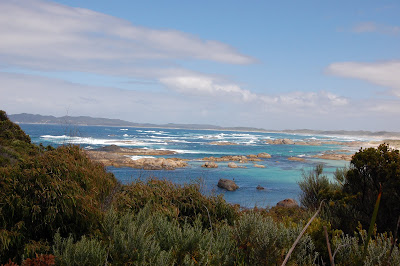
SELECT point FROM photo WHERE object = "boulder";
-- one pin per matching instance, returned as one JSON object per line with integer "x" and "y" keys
{"x": 264, "y": 155}
{"x": 227, "y": 184}
{"x": 259, "y": 166}
{"x": 210, "y": 165}
{"x": 260, "y": 187}
{"x": 232, "y": 165}
{"x": 287, "y": 203}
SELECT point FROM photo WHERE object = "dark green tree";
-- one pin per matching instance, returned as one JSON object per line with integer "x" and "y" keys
{"x": 371, "y": 170}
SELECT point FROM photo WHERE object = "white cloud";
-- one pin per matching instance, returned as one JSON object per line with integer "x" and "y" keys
{"x": 370, "y": 26}
{"x": 203, "y": 85}
{"x": 46, "y": 35}
{"x": 385, "y": 73}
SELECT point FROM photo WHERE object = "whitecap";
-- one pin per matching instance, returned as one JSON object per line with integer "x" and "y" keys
{"x": 136, "y": 157}
{"x": 123, "y": 129}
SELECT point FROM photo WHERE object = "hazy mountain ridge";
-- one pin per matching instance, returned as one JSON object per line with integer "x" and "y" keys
{"x": 25, "y": 118}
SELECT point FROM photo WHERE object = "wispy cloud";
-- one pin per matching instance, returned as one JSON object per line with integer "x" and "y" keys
{"x": 46, "y": 35}
{"x": 370, "y": 26}
{"x": 385, "y": 73}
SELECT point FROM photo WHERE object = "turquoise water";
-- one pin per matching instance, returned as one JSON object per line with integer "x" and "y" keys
{"x": 279, "y": 177}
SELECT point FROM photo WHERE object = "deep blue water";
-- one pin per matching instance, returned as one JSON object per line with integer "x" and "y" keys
{"x": 279, "y": 177}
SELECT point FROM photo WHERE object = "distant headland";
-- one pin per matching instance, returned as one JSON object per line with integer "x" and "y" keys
{"x": 25, "y": 118}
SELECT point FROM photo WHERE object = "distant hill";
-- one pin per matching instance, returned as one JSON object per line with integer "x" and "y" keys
{"x": 95, "y": 121}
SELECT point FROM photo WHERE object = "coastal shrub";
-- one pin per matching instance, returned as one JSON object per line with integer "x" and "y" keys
{"x": 261, "y": 241}
{"x": 315, "y": 187}
{"x": 182, "y": 202}
{"x": 381, "y": 249}
{"x": 371, "y": 170}
{"x": 15, "y": 145}
{"x": 153, "y": 238}
{"x": 43, "y": 190}
{"x": 83, "y": 252}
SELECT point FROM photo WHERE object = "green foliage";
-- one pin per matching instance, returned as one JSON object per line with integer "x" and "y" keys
{"x": 83, "y": 252}
{"x": 261, "y": 241}
{"x": 349, "y": 249}
{"x": 15, "y": 145}
{"x": 315, "y": 187}
{"x": 182, "y": 202}
{"x": 370, "y": 169}
{"x": 43, "y": 190}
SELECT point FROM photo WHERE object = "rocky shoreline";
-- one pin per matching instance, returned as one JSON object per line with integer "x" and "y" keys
{"x": 122, "y": 157}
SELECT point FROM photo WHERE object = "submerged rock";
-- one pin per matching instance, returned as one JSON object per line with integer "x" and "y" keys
{"x": 287, "y": 203}
{"x": 227, "y": 184}
{"x": 259, "y": 166}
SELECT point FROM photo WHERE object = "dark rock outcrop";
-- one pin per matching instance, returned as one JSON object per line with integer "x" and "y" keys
{"x": 287, "y": 203}
{"x": 227, "y": 184}
{"x": 260, "y": 187}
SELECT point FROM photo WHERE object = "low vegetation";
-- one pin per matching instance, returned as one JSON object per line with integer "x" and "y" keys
{"x": 57, "y": 207}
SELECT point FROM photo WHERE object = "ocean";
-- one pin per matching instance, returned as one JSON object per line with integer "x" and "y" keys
{"x": 279, "y": 177}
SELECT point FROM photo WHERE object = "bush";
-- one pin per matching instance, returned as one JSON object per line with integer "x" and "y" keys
{"x": 314, "y": 187}
{"x": 380, "y": 251}
{"x": 185, "y": 203}
{"x": 261, "y": 241}
{"x": 43, "y": 190}
{"x": 83, "y": 252}
{"x": 370, "y": 170}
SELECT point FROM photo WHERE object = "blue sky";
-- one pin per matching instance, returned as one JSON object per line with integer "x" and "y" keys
{"x": 270, "y": 64}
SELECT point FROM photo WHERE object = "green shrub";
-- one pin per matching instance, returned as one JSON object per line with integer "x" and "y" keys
{"x": 182, "y": 202}
{"x": 261, "y": 241}
{"x": 316, "y": 187}
{"x": 349, "y": 249}
{"x": 83, "y": 252}
{"x": 370, "y": 170}
{"x": 58, "y": 189}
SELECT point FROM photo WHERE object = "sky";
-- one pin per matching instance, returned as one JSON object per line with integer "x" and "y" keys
{"x": 326, "y": 65}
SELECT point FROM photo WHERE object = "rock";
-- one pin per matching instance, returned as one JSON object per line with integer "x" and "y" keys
{"x": 334, "y": 156}
{"x": 260, "y": 187}
{"x": 252, "y": 156}
{"x": 159, "y": 163}
{"x": 210, "y": 165}
{"x": 259, "y": 166}
{"x": 118, "y": 159}
{"x": 234, "y": 158}
{"x": 264, "y": 155}
{"x": 287, "y": 203}
{"x": 280, "y": 141}
{"x": 227, "y": 184}
{"x": 298, "y": 159}
{"x": 232, "y": 165}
